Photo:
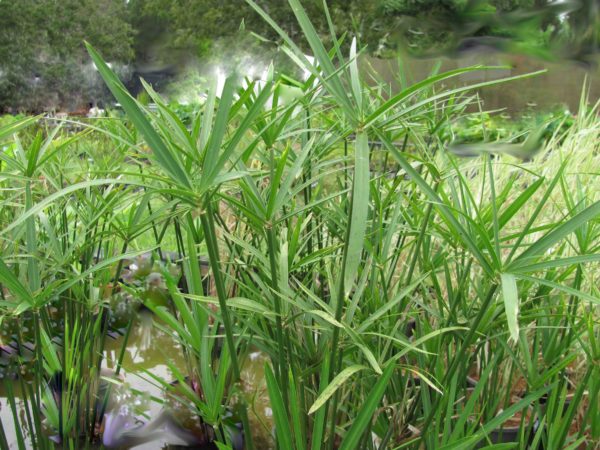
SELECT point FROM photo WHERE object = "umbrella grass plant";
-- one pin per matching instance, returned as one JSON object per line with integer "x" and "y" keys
{"x": 404, "y": 297}
{"x": 55, "y": 285}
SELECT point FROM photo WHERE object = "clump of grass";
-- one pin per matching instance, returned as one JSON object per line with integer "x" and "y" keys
{"x": 405, "y": 298}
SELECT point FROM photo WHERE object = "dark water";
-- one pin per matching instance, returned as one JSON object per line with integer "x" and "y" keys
{"x": 562, "y": 84}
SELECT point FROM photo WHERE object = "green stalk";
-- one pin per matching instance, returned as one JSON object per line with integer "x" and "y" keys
{"x": 331, "y": 367}
{"x": 39, "y": 377}
{"x": 117, "y": 371}
{"x": 282, "y": 369}
{"x": 13, "y": 406}
{"x": 103, "y": 335}
{"x": 352, "y": 249}
{"x": 420, "y": 238}
{"x": 35, "y": 423}
{"x": 210, "y": 236}
{"x": 307, "y": 192}
{"x": 572, "y": 307}
{"x": 462, "y": 352}
{"x": 3, "y": 440}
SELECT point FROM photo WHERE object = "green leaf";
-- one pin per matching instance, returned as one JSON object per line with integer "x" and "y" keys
{"x": 386, "y": 307}
{"x": 540, "y": 205}
{"x": 510, "y": 295}
{"x": 50, "y": 408}
{"x": 393, "y": 119}
{"x": 329, "y": 75}
{"x": 360, "y": 210}
{"x": 322, "y": 56}
{"x": 334, "y": 386}
{"x": 38, "y": 207}
{"x": 370, "y": 358}
{"x": 320, "y": 417}
{"x": 424, "y": 378}
{"x": 295, "y": 412}
{"x": 235, "y": 302}
{"x": 220, "y": 126}
{"x": 559, "y": 262}
{"x": 49, "y": 352}
{"x": 248, "y": 305}
{"x": 519, "y": 202}
{"x": 12, "y": 128}
{"x": 509, "y": 412}
{"x": 415, "y": 88}
{"x": 354, "y": 76}
{"x": 8, "y": 279}
{"x": 440, "y": 205}
{"x": 293, "y": 174}
{"x": 222, "y": 446}
{"x": 540, "y": 246}
{"x": 165, "y": 157}
{"x": 241, "y": 130}
{"x": 559, "y": 287}
{"x": 325, "y": 316}
{"x": 104, "y": 263}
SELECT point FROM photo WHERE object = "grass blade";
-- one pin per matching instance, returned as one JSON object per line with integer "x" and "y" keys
{"x": 510, "y": 295}
{"x": 334, "y": 386}
{"x": 282, "y": 425}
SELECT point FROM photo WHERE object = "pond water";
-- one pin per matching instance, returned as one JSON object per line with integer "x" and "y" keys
{"x": 6, "y": 418}
{"x": 560, "y": 85}
{"x": 149, "y": 349}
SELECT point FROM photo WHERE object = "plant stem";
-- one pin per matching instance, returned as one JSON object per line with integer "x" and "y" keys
{"x": 281, "y": 371}
{"x": 461, "y": 353}
{"x": 208, "y": 227}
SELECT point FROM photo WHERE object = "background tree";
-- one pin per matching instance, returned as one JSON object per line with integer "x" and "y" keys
{"x": 173, "y": 30}
{"x": 43, "y": 63}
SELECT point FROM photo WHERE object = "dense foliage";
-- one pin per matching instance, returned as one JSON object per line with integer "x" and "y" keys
{"x": 400, "y": 296}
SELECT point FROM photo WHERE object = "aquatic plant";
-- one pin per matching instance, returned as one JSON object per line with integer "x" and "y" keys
{"x": 404, "y": 297}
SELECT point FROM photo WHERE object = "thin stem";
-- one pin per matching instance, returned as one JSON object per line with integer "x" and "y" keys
{"x": 461, "y": 353}
{"x": 282, "y": 372}
{"x": 208, "y": 227}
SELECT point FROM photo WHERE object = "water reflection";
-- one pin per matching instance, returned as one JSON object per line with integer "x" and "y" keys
{"x": 6, "y": 417}
{"x": 146, "y": 396}
{"x": 141, "y": 360}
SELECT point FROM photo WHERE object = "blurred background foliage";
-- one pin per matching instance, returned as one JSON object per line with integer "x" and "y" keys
{"x": 43, "y": 65}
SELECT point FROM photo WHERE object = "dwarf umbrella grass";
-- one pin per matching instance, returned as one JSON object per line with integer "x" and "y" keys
{"x": 403, "y": 296}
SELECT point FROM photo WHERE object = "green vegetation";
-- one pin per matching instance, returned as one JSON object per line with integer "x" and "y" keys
{"x": 403, "y": 297}
{"x": 539, "y": 28}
